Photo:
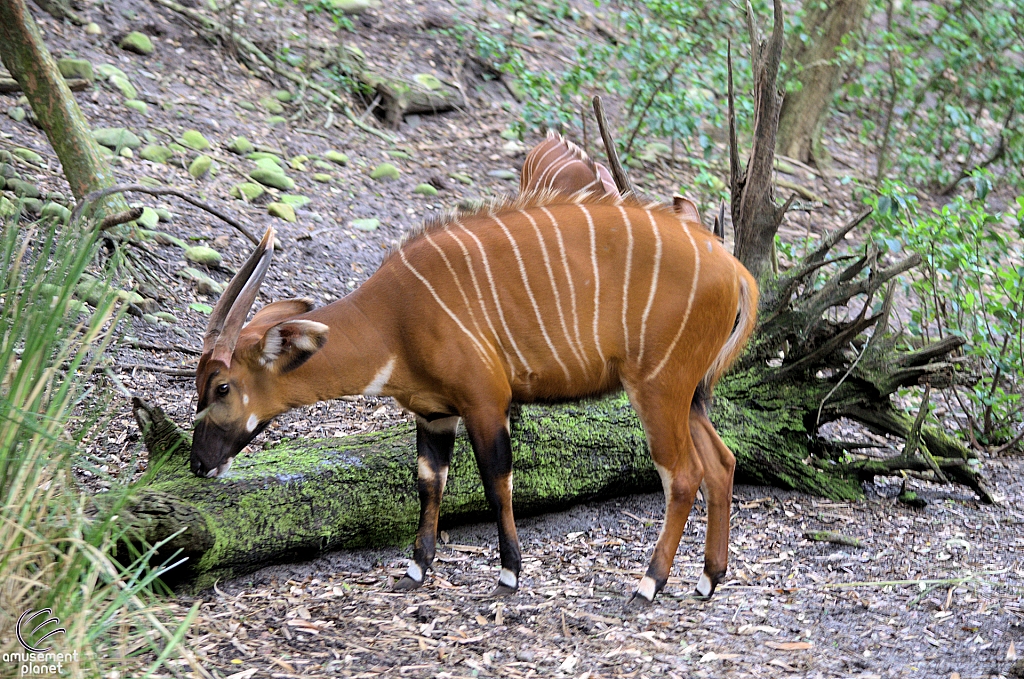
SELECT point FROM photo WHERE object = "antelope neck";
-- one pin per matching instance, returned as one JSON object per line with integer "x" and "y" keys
{"x": 355, "y": 359}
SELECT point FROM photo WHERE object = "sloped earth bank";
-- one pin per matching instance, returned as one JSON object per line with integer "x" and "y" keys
{"x": 336, "y": 616}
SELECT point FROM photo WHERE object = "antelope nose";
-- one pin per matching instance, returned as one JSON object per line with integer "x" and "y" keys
{"x": 197, "y": 468}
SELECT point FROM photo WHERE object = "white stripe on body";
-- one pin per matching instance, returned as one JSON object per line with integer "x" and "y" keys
{"x": 497, "y": 303}
{"x": 689, "y": 304}
{"x": 458, "y": 284}
{"x": 479, "y": 294}
{"x": 568, "y": 277}
{"x": 554, "y": 288}
{"x": 597, "y": 280}
{"x": 533, "y": 300}
{"x": 476, "y": 343}
{"x": 625, "y": 284}
{"x": 654, "y": 286}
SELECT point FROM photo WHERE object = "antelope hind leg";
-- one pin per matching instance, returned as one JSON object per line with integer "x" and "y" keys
{"x": 435, "y": 440}
{"x": 719, "y": 467}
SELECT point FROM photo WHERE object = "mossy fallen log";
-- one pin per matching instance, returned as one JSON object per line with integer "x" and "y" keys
{"x": 302, "y": 497}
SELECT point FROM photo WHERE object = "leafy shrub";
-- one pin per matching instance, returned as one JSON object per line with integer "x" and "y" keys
{"x": 970, "y": 284}
{"x": 948, "y": 79}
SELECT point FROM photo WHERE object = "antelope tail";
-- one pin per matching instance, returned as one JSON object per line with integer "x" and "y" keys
{"x": 745, "y": 321}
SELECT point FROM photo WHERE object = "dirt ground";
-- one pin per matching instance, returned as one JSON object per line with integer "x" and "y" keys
{"x": 790, "y": 606}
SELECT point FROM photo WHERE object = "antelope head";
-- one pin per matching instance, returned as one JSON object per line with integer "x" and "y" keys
{"x": 239, "y": 377}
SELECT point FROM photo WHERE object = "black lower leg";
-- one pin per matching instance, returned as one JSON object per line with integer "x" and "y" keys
{"x": 494, "y": 459}
{"x": 434, "y": 444}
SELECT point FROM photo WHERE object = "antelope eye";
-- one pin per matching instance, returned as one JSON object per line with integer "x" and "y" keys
{"x": 223, "y": 389}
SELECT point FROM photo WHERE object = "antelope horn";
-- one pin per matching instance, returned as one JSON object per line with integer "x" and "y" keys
{"x": 229, "y": 315}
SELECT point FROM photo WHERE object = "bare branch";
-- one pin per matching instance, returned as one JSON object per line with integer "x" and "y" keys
{"x": 156, "y": 191}
{"x": 621, "y": 179}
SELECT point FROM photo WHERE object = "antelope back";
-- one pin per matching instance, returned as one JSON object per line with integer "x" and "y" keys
{"x": 557, "y": 164}
{"x": 566, "y": 297}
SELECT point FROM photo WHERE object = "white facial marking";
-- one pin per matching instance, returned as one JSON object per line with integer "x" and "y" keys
{"x": 251, "y": 423}
{"x": 704, "y": 585}
{"x": 423, "y": 469}
{"x": 201, "y": 414}
{"x": 415, "y": 572}
{"x": 380, "y": 380}
{"x": 508, "y": 578}
{"x": 710, "y": 249}
{"x": 245, "y": 399}
{"x": 646, "y": 588}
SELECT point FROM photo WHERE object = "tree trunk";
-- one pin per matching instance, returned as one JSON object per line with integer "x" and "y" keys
{"x": 805, "y": 109}
{"x": 755, "y": 216}
{"x": 25, "y": 55}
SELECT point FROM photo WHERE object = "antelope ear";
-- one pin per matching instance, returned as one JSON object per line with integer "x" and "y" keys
{"x": 686, "y": 209}
{"x": 287, "y": 345}
{"x": 275, "y": 312}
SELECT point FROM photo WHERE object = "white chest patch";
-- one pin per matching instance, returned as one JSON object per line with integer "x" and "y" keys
{"x": 251, "y": 423}
{"x": 380, "y": 380}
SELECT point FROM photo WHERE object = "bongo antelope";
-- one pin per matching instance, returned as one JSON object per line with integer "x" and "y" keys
{"x": 543, "y": 298}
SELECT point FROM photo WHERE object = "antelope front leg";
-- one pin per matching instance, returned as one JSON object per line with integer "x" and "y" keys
{"x": 435, "y": 440}
{"x": 493, "y": 448}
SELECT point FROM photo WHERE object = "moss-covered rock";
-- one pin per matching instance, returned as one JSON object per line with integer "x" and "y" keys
{"x": 137, "y": 42}
{"x": 425, "y": 190}
{"x": 108, "y": 71}
{"x": 16, "y": 113}
{"x": 298, "y": 162}
{"x": 76, "y": 68}
{"x": 155, "y": 153}
{"x": 271, "y": 165}
{"x": 149, "y": 218}
{"x": 336, "y": 157}
{"x": 274, "y": 121}
{"x": 241, "y": 146}
{"x": 272, "y": 105}
{"x": 124, "y": 86}
{"x": 247, "y": 191}
{"x": 385, "y": 171}
{"x": 33, "y": 206}
{"x": 137, "y": 105}
{"x": 28, "y": 155}
{"x": 263, "y": 155}
{"x": 166, "y": 317}
{"x": 247, "y": 105}
{"x": 92, "y": 28}
{"x": 7, "y": 208}
{"x": 354, "y": 6}
{"x": 277, "y": 180}
{"x": 282, "y": 95}
{"x": 194, "y": 140}
{"x": 55, "y": 211}
{"x": 295, "y": 200}
{"x": 22, "y": 188}
{"x": 116, "y": 138}
{"x": 461, "y": 177}
{"x": 282, "y": 210}
{"x": 200, "y": 166}
{"x": 322, "y": 178}
{"x": 201, "y": 254}
{"x": 428, "y": 81}
{"x": 370, "y": 224}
